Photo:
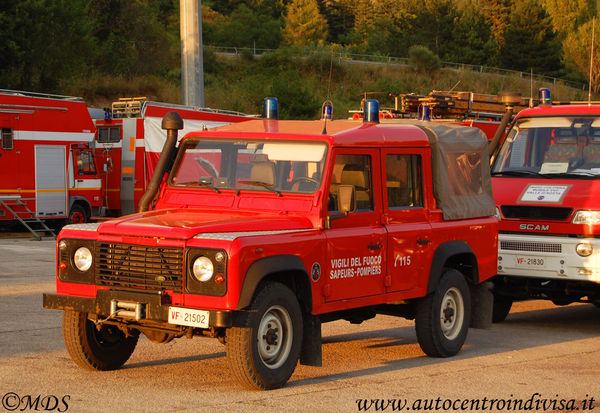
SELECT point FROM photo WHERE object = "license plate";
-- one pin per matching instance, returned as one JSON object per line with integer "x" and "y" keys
{"x": 530, "y": 262}
{"x": 188, "y": 317}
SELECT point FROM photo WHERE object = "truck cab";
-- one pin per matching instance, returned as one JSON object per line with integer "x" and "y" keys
{"x": 260, "y": 231}
{"x": 545, "y": 182}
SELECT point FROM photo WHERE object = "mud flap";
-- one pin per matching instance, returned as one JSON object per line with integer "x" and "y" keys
{"x": 311, "y": 353}
{"x": 482, "y": 305}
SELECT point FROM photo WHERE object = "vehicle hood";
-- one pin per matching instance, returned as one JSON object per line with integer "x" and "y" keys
{"x": 186, "y": 223}
{"x": 572, "y": 193}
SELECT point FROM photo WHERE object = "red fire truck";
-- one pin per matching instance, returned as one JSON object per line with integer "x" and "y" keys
{"x": 45, "y": 159}
{"x": 265, "y": 229}
{"x": 544, "y": 179}
{"x": 128, "y": 142}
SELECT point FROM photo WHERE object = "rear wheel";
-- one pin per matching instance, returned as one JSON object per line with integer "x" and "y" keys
{"x": 106, "y": 348}
{"x": 264, "y": 354}
{"x": 443, "y": 317}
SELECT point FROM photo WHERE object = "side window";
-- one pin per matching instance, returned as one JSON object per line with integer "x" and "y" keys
{"x": 109, "y": 134}
{"x": 7, "y": 138}
{"x": 404, "y": 181}
{"x": 352, "y": 170}
{"x": 85, "y": 163}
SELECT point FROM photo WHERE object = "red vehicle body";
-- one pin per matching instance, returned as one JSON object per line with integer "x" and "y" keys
{"x": 129, "y": 140}
{"x": 265, "y": 229}
{"x": 545, "y": 184}
{"x": 45, "y": 159}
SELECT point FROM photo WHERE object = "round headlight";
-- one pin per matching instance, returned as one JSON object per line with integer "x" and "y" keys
{"x": 584, "y": 249}
{"x": 82, "y": 259}
{"x": 203, "y": 269}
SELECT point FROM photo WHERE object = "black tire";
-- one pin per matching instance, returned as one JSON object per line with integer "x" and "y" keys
{"x": 442, "y": 318}
{"x": 502, "y": 305}
{"x": 93, "y": 349}
{"x": 77, "y": 215}
{"x": 264, "y": 353}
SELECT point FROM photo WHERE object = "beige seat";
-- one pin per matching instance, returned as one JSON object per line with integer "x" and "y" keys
{"x": 263, "y": 172}
{"x": 356, "y": 176}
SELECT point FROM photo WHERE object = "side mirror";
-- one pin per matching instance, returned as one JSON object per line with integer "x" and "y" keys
{"x": 346, "y": 199}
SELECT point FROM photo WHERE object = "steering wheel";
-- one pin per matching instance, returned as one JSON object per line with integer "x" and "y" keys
{"x": 305, "y": 179}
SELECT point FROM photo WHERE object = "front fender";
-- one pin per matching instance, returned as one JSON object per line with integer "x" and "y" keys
{"x": 262, "y": 268}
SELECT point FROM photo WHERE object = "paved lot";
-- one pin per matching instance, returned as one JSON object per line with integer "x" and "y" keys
{"x": 541, "y": 354}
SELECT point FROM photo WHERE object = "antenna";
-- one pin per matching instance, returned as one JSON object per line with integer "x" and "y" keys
{"x": 453, "y": 87}
{"x": 591, "y": 62}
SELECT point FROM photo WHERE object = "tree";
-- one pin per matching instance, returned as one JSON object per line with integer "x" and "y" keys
{"x": 530, "y": 41}
{"x": 568, "y": 15}
{"x": 578, "y": 47}
{"x": 304, "y": 24}
{"x": 44, "y": 41}
{"x": 472, "y": 41}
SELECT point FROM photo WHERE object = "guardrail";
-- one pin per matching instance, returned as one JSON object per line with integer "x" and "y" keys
{"x": 344, "y": 56}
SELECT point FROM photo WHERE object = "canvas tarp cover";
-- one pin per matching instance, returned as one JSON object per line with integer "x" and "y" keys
{"x": 461, "y": 173}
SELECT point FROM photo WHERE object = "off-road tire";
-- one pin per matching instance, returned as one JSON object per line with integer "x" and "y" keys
{"x": 442, "y": 318}
{"x": 502, "y": 306}
{"x": 264, "y": 353}
{"x": 107, "y": 349}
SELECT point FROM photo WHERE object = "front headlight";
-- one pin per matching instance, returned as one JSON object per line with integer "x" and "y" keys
{"x": 82, "y": 259}
{"x": 587, "y": 217}
{"x": 203, "y": 269}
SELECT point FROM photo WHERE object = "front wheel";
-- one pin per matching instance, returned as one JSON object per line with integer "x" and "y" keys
{"x": 442, "y": 318}
{"x": 106, "y": 348}
{"x": 264, "y": 354}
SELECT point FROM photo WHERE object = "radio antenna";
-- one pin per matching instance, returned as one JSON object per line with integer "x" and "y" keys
{"x": 591, "y": 62}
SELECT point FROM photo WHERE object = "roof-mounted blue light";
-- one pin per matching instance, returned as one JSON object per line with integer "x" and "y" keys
{"x": 371, "y": 111}
{"x": 327, "y": 111}
{"x": 271, "y": 108}
{"x": 424, "y": 112}
{"x": 544, "y": 96}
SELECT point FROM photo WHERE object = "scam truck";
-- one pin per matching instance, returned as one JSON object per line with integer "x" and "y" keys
{"x": 258, "y": 232}
{"x": 544, "y": 179}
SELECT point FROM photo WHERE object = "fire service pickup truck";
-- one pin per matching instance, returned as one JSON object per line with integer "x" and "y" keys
{"x": 256, "y": 233}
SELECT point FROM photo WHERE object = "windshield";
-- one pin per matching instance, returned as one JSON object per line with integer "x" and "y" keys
{"x": 552, "y": 147}
{"x": 275, "y": 166}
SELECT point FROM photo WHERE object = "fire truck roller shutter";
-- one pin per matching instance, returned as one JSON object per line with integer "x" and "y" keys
{"x": 50, "y": 180}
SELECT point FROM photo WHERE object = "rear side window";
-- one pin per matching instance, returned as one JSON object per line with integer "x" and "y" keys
{"x": 109, "y": 134}
{"x": 404, "y": 180}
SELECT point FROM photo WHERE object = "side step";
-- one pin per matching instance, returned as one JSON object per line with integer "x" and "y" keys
{"x": 15, "y": 201}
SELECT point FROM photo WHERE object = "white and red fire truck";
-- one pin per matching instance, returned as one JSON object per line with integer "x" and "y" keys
{"x": 46, "y": 163}
{"x": 128, "y": 142}
{"x": 58, "y": 163}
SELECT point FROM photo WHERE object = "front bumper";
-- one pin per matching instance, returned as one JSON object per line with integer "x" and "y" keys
{"x": 132, "y": 307}
{"x": 548, "y": 258}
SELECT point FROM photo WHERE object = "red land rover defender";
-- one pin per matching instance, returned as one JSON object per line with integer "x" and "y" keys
{"x": 265, "y": 229}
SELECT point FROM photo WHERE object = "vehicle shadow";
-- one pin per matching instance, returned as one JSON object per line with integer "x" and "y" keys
{"x": 393, "y": 349}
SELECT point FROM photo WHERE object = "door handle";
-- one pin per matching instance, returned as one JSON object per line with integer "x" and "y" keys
{"x": 375, "y": 246}
{"x": 423, "y": 241}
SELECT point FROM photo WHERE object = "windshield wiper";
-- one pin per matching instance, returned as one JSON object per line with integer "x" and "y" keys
{"x": 581, "y": 174}
{"x": 208, "y": 184}
{"x": 517, "y": 173}
{"x": 263, "y": 184}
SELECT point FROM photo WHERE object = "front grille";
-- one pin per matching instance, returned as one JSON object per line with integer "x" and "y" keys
{"x": 530, "y": 246}
{"x": 139, "y": 267}
{"x": 547, "y": 213}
